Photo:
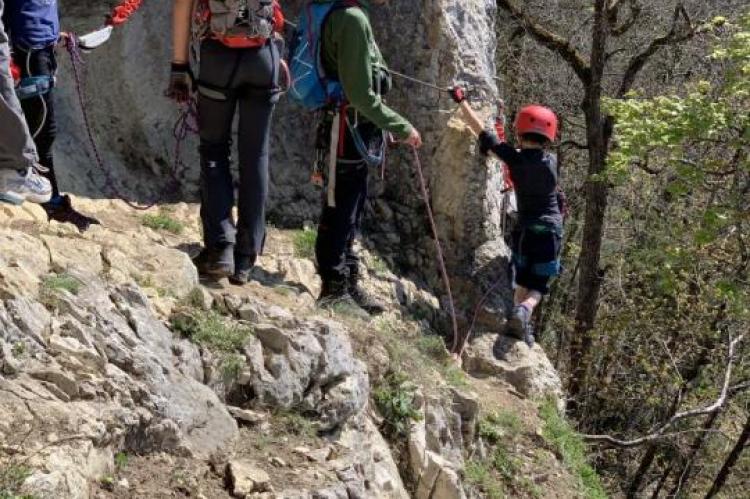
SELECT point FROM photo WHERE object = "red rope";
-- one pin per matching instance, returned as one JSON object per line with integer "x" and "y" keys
{"x": 122, "y": 12}
{"x": 439, "y": 248}
{"x": 186, "y": 123}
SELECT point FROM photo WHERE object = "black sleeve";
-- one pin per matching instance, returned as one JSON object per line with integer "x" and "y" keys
{"x": 490, "y": 142}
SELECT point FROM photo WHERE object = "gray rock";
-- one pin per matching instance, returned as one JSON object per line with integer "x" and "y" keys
{"x": 245, "y": 478}
{"x": 528, "y": 370}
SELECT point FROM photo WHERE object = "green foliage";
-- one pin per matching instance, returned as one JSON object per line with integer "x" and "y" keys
{"x": 433, "y": 346}
{"x": 121, "y": 461}
{"x": 19, "y": 349}
{"x": 231, "y": 367}
{"x": 395, "y": 400}
{"x": 210, "y": 329}
{"x": 304, "y": 243}
{"x": 479, "y": 474}
{"x": 65, "y": 282}
{"x": 12, "y": 476}
{"x": 163, "y": 221}
{"x": 296, "y": 424}
{"x": 560, "y": 435}
{"x": 497, "y": 425}
{"x": 454, "y": 375}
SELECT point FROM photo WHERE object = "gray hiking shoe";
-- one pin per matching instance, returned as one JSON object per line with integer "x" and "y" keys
{"x": 243, "y": 270}
{"x": 17, "y": 186}
{"x": 519, "y": 322}
{"x": 215, "y": 262}
{"x": 334, "y": 296}
{"x": 529, "y": 335}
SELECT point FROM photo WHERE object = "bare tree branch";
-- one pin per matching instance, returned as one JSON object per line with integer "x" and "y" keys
{"x": 661, "y": 431}
{"x": 635, "y": 9}
{"x": 552, "y": 41}
{"x": 675, "y": 35}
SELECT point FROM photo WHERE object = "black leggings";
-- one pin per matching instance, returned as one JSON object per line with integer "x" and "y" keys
{"x": 230, "y": 79}
{"x": 40, "y": 111}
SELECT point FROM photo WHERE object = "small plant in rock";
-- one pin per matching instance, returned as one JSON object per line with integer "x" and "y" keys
{"x": 396, "y": 402}
{"x": 433, "y": 346}
{"x": 19, "y": 349}
{"x": 163, "y": 221}
{"x": 121, "y": 461}
{"x": 12, "y": 476}
{"x": 378, "y": 265}
{"x": 231, "y": 368}
{"x": 558, "y": 433}
{"x": 296, "y": 424}
{"x": 479, "y": 475}
{"x": 210, "y": 329}
{"x": 304, "y": 243}
{"x": 63, "y": 281}
{"x": 455, "y": 376}
{"x": 496, "y": 425}
{"x": 107, "y": 482}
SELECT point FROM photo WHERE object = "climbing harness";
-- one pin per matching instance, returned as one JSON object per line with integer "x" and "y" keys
{"x": 185, "y": 124}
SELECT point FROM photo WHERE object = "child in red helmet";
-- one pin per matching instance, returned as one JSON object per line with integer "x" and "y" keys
{"x": 538, "y": 237}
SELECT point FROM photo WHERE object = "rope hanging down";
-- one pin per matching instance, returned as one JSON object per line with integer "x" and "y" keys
{"x": 459, "y": 342}
{"x": 186, "y": 123}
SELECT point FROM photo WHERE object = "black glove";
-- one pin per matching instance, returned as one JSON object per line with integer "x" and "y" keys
{"x": 458, "y": 94}
{"x": 180, "y": 82}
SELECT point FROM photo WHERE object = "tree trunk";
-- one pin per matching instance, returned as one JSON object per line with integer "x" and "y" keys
{"x": 732, "y": 459}
{"x": 598, "y": 131}
{"x": 648, "y": 460}
{"x": 697, "y": 445}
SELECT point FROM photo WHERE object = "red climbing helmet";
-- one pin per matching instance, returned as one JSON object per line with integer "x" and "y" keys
{"x": 537, "y": 119}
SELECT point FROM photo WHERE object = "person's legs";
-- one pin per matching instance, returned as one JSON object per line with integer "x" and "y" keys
{"x": 257, "y": 102}
{"x": 17, "y": 150}
{"x": 336, "y": 228}
{"x": 19, "y": 181}
{"x": 216, "y": 110}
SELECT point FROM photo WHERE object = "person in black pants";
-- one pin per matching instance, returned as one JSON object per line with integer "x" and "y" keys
{"x": 234, "y": 73}
{"x": 34, "y": 32}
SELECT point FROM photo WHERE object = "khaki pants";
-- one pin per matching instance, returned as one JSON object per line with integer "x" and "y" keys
{"x": 17, "y": 150}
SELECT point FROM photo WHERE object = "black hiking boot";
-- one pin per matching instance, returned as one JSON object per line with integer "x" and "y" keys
{"x": 519, "y": 322}
{"x": 243, "y": 269}
{"x": 215, "y": 262}
{"x": 61, "y": 210}
{"x": 366, "y": 300}
{"x": 334, "y": 295}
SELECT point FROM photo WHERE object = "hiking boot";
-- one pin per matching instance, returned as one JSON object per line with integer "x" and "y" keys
{"x": 519, "y": 322}
{"x": 61, "y": 210}
{"x": 529, "y": 335}
{"x": 366, "y": 300}
{"x": 334, "y": 294}
{"x": 243, "y": 269}
{"x": 215, "y": 262}
{"x": 17, "y": 186}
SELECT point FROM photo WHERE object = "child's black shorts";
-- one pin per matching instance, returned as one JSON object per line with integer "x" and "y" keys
{"x": 536, "y": 255}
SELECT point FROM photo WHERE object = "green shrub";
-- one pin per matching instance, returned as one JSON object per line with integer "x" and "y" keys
{"x": 480, "y": 475}
{"x": 496, "y": 425}
{"x": 163, "y": 221}
{"x": 210, "y": 329}
{"x": 231, "y": 368}
{"x": 395, "y": 399}
{"x": 433, "y": 346}
{"x": 61, "y": 282}
{"x": 12, "y": 476}
{"x": 560, "y": 435}
{"x": 304, "y": 243}
{"x": 121, "y": 461}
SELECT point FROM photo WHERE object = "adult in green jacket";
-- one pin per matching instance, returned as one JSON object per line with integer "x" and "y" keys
{"x": 350, "y": 54}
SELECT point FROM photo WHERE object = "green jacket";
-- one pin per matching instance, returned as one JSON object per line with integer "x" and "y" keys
{"x": 349, "y": 47}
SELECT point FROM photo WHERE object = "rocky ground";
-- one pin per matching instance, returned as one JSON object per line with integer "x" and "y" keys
{"x": 123, "y": 375}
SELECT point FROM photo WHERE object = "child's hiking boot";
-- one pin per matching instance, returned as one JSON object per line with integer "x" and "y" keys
{"x": 519, "y": 322}
{"x": 216, "y": 262}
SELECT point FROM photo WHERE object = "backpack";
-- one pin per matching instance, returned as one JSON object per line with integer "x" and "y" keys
{"x": 237, "y": 23}
{"x": 310, "y": 87}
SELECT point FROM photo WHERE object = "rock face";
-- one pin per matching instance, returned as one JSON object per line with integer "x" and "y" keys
{"x": 528, "y": 370}
{"x": 444, "y": 42}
